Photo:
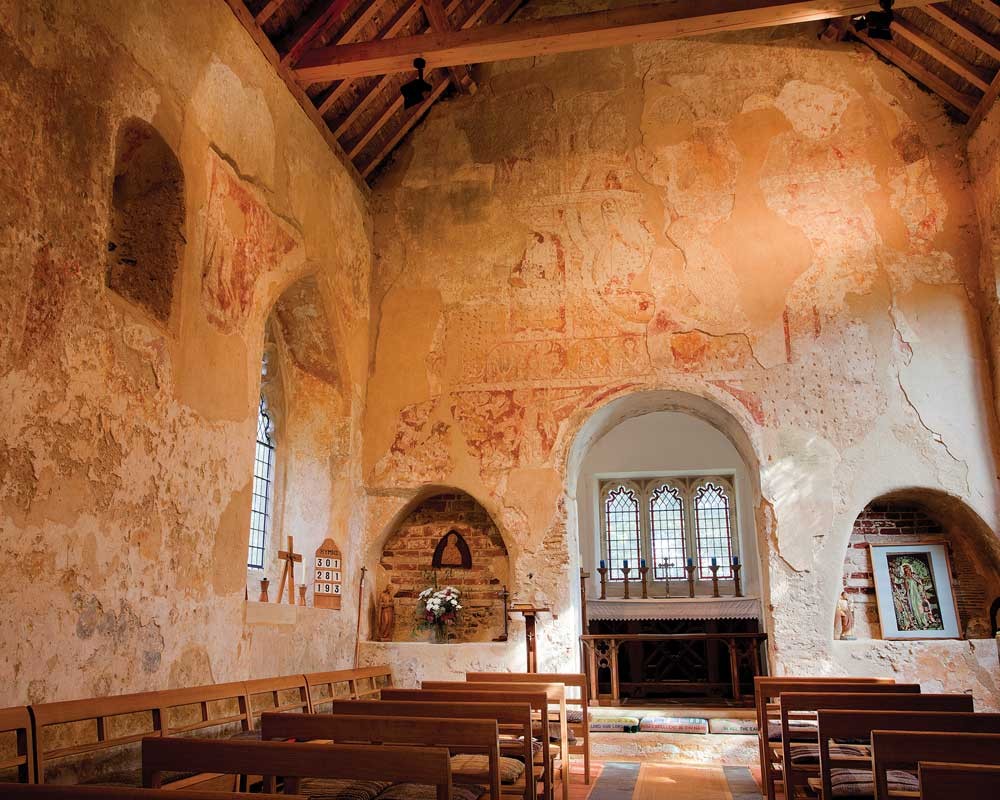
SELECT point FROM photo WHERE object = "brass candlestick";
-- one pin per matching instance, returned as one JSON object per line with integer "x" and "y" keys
{"x": 690, "y": 572}
{"x": 715, "y": 579}
{"x": 626, "y": 571}
{"x": 603, "y": 572}
{"x": 737, "y": 583}
{"x": 264, "y": 583}
{"x": 643, "y": 572}
{"x": 302, "y": 594}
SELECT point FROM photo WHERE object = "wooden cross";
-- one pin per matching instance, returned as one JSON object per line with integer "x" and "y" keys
{"x": 288, "y": 572}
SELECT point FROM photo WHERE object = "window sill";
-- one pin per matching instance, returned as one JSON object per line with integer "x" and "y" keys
{"x": 279, "y": 614}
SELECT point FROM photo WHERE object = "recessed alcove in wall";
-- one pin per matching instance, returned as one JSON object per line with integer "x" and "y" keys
{"x": 449, "y": 539}
{"x": 146, "y": 236}
{"x": 921, "y": 516}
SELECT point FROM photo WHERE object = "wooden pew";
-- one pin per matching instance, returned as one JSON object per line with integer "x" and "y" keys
{"x": 581, "y": 703}
{"x": 328, "y": 687}
{"x": 855, "y": 724}
{"x": 20, "y": 791}
{"x": 295, "y": 761}
{"x": 904, "y": 750}
{"x": 513, "y": 720}
{"x": 766, "y": 692}
{"x": 367, "y": 683}
{"x": 557, "y": 695}
{"x": 800, "y": 761}
{"x": 111, "y": 724}
{"x": 943, "y": 781}
{"x": 17, "y": 721}
{"x": 477, "y": 737}
{"x": 286, "y": 693}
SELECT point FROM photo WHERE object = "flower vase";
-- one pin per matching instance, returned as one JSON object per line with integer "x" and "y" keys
{"x": 440, "y": 634}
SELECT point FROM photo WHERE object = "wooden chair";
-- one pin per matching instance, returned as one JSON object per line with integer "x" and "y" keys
{"x": 17, "y": 721}
{"x": 477, "y": 737}
{"x": 287, "y": 693}
{"x": 19, "y": 791}
{"x": 855, "y": 724}
{"x": 556, "y": 693}
{"x": 800, "y": 761}
{"x": 575, "y": 682}
{"x": 767, "y": 690}
{"x": 367, "y": 683}
{"x": 294, "y": 761}
{"x": 904, "y": 750}
{"x": 942, "y": 781}
{"x": 513, "y": 722}
{"x": 326, "y": 688}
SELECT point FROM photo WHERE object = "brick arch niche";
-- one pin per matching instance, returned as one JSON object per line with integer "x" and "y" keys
{"x": 925, "y": 517}
{"x": 407, "y": 566}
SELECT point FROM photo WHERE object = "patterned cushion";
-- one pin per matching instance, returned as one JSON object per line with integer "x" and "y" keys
{"x": 799, "y": 728}
{"x": 804, "y": 753}
{"x": 510, "y": 768}
{"x": 674, "y": 724}
{"x": 341, "y": 788}
{"x": 617, "y": 724}
{"x": 859, "y": 782}
{"x": 555, "y": 733}
{"x": 573, "y": 713}
{"x": 725, "y": 725}
{"x": 419, "y": 791}
{"x": 507, "y": 739}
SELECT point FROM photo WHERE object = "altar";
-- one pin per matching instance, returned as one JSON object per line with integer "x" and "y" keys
{"x": 675, "y": 608}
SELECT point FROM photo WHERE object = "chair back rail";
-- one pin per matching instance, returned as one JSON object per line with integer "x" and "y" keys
{"x": 19, "y": 791}
{"x": 945, "y": 781}
{"x": 893, "y": 749}
{"x": 294, "y": 760}
{"x": 460, "y": 736}
{"x": 511, "y": 717}
{"x": 18, "y": 721}
{"x": 272, "y": 694}
{"x": 767, "y": 689}
{"x": 368, "y": 682}
{"x": 327, "y": 687}
{"x": 794, "y": 703}
{"x": 571, "y": 680}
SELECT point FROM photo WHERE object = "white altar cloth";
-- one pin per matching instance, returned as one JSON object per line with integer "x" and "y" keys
{"x": 676, "y": 608}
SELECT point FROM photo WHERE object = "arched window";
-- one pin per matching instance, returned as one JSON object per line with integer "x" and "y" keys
{"x": 666, "y": 532}
{"x": 621, "y": 528}
{"x": 714, "y": 528}
{"x": 683, "y": 517}
{"x": 263, "y": 481}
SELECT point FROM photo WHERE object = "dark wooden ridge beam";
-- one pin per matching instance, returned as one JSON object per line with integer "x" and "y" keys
{"x": 438, "y": 20}
{"x": 574, "y": 32}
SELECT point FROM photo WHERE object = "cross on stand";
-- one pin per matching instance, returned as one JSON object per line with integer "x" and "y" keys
{"x": 290, "y": 558}
{"x": 531, "y": 643}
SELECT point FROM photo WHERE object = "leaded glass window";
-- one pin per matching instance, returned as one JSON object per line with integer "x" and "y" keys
{"x": 666, "y": 532}
{"x": 263, "y": 480}
{"x": 621, "y": 527}
{"x": 713, "y": 525}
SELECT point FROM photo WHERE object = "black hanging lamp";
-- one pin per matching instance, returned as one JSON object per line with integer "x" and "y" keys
{"x": 415, "y": 92}
{"x": 876, "y": 24}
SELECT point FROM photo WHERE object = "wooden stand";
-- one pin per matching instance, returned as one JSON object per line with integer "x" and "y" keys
{"x": 715, "y": 579}
{"x": 327, "y": 576}
{"x": 290, "y": 558}
{"x": 603, "y": 572}
{"x": 737, "y": 583}
{"x": 357, "y": 629}
{"x": 690, "y": 572}
{"x": 302, "y": 595}
{"x": 625, "y": 572}
{"x": 645, "y": 589}
{"x": 530, "y": 641}
{"x": 264, "y": 583}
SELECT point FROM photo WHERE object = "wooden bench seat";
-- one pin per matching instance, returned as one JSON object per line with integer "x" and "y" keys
{"x": 945, "y": 781}
{"x": 328, "y": 687}
{"x": 18, "y": 791}
{"x": 903, "y": 750}
{"x": 19, "y": 759}
{"x": 513, "y": 719}
{"x": 577, "y": 700}
{"x": 305, "y": 766}
{"x": 859, "y": 725}
{"x": 474, "y": 744}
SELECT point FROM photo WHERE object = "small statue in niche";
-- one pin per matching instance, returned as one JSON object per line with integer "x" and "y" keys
{"x": 452, "y": 551}
{"x": 844, "y": 621}
{"x": 386, "y": 620}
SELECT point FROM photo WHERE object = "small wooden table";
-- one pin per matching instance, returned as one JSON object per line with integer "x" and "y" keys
{"x": 530, "y": 640}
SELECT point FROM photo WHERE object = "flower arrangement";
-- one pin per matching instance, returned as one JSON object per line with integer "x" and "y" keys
{"x": 440, "y": 608}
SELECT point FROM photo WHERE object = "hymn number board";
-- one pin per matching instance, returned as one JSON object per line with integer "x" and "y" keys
{"x": 327, "y": 576}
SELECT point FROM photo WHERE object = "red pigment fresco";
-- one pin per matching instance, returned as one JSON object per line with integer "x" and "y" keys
{"x": 50, "y": 288}
{"x": 750, "y": 401}
{"x": 695, "y": 351}
{"x": 237, "y": 252}
{"x": 537, "y": 286}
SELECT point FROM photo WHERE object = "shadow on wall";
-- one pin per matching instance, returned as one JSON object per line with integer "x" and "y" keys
{"x": 909, "y": 526}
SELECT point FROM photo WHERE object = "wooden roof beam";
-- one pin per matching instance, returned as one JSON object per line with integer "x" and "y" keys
{"x": 987, "y": 102}
{"x": 309, "y": 26}
{"x": 989, "y": 6}
{"x": 438, "y": 19}
{"x": 268, "y": 11}
{"x": 972, "y": 33}
{"x": 574, "y": 32}
{"x": 977, "y": 76}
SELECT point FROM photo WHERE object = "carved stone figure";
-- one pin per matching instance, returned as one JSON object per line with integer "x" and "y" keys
{"x": 844, "y": 624}
{"x": 451, "y": 556}
{"x": 386, "y": 620}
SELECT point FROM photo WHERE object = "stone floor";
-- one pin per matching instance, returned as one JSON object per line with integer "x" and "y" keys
{"x": 644, "y": 780}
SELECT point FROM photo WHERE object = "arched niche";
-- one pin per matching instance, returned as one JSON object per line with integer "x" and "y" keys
{"x": 146, "y": 235}
{"x": 924, "y": 516}
{"x": 410, "y": 561}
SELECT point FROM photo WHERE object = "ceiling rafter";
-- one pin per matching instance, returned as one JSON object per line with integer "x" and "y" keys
{"x": 438, "y": 19}
{"x": 310, "y": 25}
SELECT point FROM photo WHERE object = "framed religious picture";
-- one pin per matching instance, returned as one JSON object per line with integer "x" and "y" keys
{"x": 914, "y": 592}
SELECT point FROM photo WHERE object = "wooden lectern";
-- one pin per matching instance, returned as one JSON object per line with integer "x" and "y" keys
{"x": 531, "y": 643}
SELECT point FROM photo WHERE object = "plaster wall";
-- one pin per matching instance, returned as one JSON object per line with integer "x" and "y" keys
{"x": 781, "y": 228}
{"x": 127, "y": 445}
